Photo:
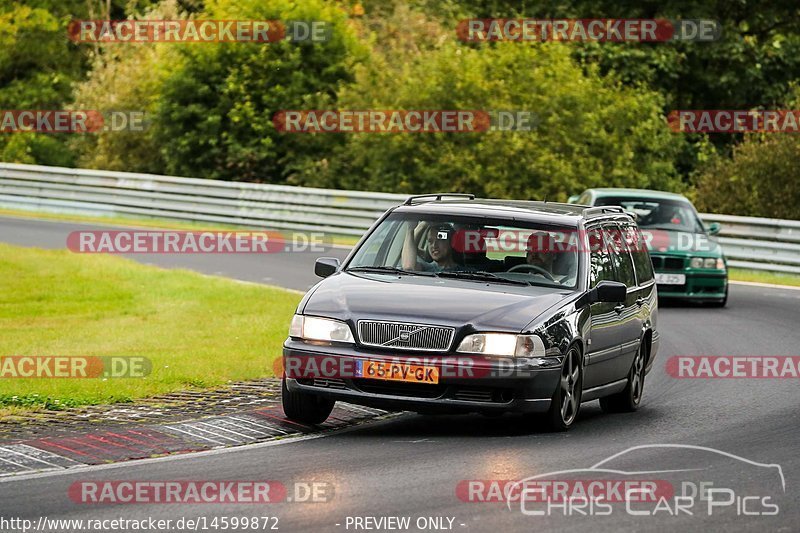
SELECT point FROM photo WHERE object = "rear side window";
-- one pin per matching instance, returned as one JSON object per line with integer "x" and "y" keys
{"x": 623, "y": 264}
{"x": 601, "y": 267}
{"x": 641, "y": 258}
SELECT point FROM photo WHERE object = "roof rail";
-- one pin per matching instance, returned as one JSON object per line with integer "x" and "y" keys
{"x": 438, "y": 196}
{"x": 592, "y": 212}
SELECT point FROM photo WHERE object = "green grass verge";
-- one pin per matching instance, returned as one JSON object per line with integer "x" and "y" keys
{"x": 198, "y": 331}
{"x": 773, "y": 278}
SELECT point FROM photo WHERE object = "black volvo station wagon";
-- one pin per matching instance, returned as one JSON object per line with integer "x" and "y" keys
{"x": 451, "y": 304}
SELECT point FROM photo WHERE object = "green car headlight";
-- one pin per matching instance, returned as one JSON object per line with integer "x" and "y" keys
{"x": 696, "y": 262}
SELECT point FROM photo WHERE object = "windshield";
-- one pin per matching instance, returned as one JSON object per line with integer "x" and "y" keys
{"x": 654, "y": 213}
{"x": 478, "y": 249}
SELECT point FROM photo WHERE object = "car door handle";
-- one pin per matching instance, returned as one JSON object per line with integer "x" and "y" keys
{"x": 619, "y": 308}
{"x": 640, "y": 301}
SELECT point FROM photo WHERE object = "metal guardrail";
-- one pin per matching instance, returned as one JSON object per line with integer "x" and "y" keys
{"x": 756, "y": 243}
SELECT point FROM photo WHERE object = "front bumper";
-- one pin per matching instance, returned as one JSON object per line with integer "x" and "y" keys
{"x": 492, "y": 386}
{"x": 700, "y": 285}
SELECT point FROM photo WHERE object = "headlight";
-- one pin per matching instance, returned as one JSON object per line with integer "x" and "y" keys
{"x": 696, "y": 262}
{"x": 507, "y": 344}
{"x": 311, "y": 328}
{"x": 710, "y": 262}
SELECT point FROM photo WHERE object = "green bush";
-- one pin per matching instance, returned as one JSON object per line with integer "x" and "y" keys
{"x": 37, "y": 66}
{"x": 591, "y": 130}
{"x": 214, "y": 118}
{"x": 760, "y": 179}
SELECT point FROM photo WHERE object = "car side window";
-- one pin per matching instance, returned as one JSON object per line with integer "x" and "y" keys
{"x": 601, "y": 267}
{"x": 623, "y": 264}
{"x": 641, "y": 257}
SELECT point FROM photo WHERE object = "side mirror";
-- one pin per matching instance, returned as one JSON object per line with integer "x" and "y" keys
{"x": 605, "y": 291}
{"x": 611, "y": 291}
{"x": 325, "y": 266}
{"x": 714, "y": 228}
{"x": 572, "y": 199}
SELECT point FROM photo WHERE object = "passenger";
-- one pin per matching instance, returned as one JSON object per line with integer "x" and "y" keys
{"x": 439, "y": 248}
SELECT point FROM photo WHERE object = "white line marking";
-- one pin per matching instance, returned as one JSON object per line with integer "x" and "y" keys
{"x": 243, "y": 427}
{"x": 15, "y": 464}
{"x": 82, "y": 469}
{"x": 194, "y": 425}
{"x": 247, "y": 421}
{"x": 29, "y": 457}
{"x": 221, "y": 428}
{"x": 195, "y": 436}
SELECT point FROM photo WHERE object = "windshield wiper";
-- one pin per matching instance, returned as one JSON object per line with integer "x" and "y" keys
{"x": 480, "y": 275}
{"x": 387, "y": 270}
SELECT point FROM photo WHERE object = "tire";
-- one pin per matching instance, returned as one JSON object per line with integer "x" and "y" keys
{"x": 628, "y": 400}
{"x": 303, "y": 407}
{"x": 566, "y": 402}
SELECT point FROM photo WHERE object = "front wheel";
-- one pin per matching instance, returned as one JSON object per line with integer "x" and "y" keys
{"x": 629, "y": 399}
{"x": 566, "y": 401}
{"x": 303, "y": 407}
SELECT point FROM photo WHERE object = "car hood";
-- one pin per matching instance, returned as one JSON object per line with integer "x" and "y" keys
{"x": 429, "y": 300}
{"x": 681, "y": 243}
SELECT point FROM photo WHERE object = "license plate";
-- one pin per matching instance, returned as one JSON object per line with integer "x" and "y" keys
{"x": 397, "y": 372}
{"x": 670, "y": 279}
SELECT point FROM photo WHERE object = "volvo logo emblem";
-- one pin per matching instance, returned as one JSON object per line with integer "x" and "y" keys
{"x": 404, "y": 335}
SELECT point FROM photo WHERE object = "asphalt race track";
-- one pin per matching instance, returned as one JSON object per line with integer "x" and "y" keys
{"x": 411, "y": 466}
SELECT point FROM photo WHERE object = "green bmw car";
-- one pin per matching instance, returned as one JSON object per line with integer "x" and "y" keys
{"x": 688, "y": 263}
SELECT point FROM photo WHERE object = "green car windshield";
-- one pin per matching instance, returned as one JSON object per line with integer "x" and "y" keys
{"x": 658, "y": 213}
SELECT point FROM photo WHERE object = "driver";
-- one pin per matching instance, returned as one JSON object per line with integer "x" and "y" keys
{"x": 541, "y": 250}
{"x": 439, "y": 248}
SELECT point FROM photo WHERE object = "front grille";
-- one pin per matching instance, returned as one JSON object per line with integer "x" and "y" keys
{"x": 667, "y": 263}
{"x": 327, "y": 383}
{"x": 399, "y": 388}
{"x": 476, "y": 394}
{"x": 405, "y": 336}
{"x": 673, "y": 263}
{"x": 671, "y": 288}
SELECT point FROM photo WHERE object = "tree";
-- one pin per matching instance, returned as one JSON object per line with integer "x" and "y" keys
{"x": 759, "y": 179}
{"x": 592, "y": 131}
{"x": 214, "y": 118}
